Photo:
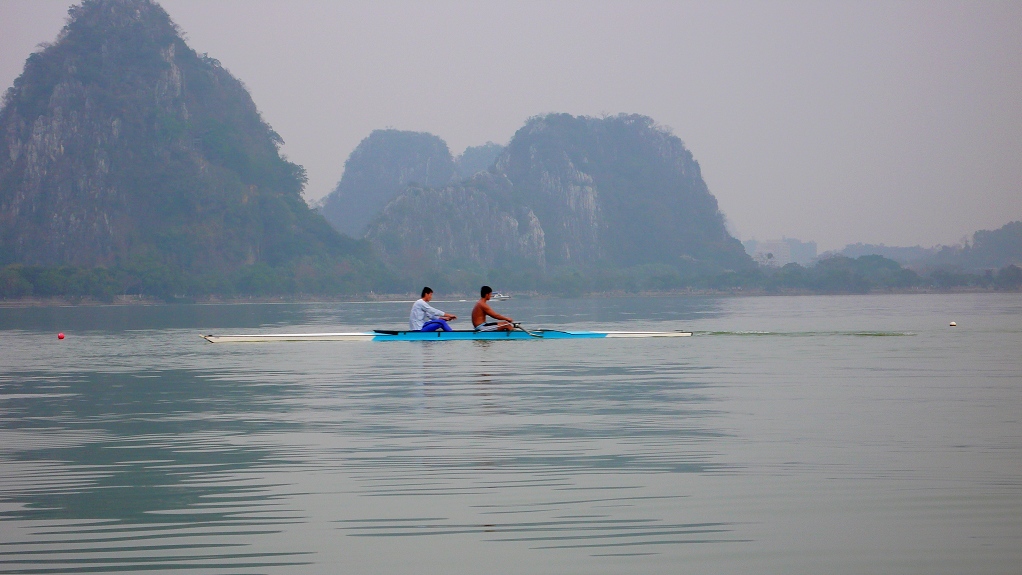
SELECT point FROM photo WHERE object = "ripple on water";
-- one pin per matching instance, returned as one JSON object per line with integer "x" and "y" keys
{"x": 785, "y": 426}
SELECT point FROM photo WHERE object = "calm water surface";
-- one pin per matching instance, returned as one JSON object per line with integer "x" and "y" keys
{"x": 789, "y": 435}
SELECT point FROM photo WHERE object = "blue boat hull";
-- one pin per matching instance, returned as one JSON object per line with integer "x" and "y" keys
{"x": 382, "y": 335}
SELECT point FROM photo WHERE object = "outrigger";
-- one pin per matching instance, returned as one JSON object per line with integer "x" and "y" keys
{"x": 389, "y": 335}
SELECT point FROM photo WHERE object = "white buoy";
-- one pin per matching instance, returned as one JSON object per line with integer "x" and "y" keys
{"x": 953, "y": 324}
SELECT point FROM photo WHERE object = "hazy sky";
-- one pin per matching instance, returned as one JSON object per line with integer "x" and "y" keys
{"x": 840, "y": 122}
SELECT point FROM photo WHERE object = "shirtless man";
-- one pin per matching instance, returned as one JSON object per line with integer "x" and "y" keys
{"x": 482, "y": 310}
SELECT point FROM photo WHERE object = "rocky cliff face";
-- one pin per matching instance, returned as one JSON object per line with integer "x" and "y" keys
{"x": 379, "y": 169}
{"x": 546, "y": 176}
{"x": 119, "y": 143}
{"x": 457, "y": 225}
{"x": 620, "y": 190}
{"x": 569, "y": 191}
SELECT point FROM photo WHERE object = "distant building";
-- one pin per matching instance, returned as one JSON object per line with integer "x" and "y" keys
{"x": 773, "y": 253}
{"x": 802, "y": 253}
{"x": 777, "y": 253}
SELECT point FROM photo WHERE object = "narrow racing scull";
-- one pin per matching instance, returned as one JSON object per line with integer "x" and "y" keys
{"x": 388, "y": 335}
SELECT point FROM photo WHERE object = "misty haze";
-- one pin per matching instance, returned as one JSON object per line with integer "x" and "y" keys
{"x": 572, "y": 287}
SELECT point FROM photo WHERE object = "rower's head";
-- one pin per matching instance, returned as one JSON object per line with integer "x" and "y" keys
{"x": 427, "y": 293}
{"x": 485, "y": 291}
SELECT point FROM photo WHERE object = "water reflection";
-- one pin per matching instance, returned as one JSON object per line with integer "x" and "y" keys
{"x": 135, "y": 446}
{"x": 576, "y": 532}
{"x": 157, "y": 468}
{"x": 122, "y": 472}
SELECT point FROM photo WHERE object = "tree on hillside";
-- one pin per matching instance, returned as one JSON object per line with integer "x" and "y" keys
{"x": 122, "y": 147}
{"x": 379, "y": 169}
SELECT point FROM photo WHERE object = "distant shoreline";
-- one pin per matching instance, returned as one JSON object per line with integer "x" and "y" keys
{"x": 132, "y": 300}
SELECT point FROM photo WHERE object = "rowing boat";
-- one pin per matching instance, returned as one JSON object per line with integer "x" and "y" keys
{"x": 387, "y": 335}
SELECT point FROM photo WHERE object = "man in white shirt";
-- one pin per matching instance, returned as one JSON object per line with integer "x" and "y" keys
{"x": 425, "y": 317}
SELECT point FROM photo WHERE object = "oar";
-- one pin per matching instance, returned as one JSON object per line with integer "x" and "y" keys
{"x": 519, "y": 326}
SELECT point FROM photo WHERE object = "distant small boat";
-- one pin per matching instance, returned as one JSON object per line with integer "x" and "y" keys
{"x": 388, "y": 335}
{"x": 500, "y": 296}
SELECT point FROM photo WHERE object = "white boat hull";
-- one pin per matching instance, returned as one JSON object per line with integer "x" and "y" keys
{"x": 384, "y": 335}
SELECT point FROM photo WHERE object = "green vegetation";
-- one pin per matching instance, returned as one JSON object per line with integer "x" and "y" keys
{"x": 865, "y": 274}
{"x": 574, "y": 203}
{"x": 477, "y": 159}
{"x": 330, "y": 278}
{"x": 304, "y": 277}
{"x": 619, "y": 191}
{"x": 379, "y": 169}
{"x": 132, "y": 165}
{"x": 989, "y": 249}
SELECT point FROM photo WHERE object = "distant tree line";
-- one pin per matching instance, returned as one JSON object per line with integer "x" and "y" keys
{"x": 989, "y": 250}
{"x": 327, "y": 278}
{"x": 152, "y": 279}
{"x": 864, "y": 274}
{"x": 833, "y": 275}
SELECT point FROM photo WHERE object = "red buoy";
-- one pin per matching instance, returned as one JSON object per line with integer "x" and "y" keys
{"x": 60, "y": 335}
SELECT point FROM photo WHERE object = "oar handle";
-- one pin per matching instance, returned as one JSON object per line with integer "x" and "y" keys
{"x": 518, "y": 325}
